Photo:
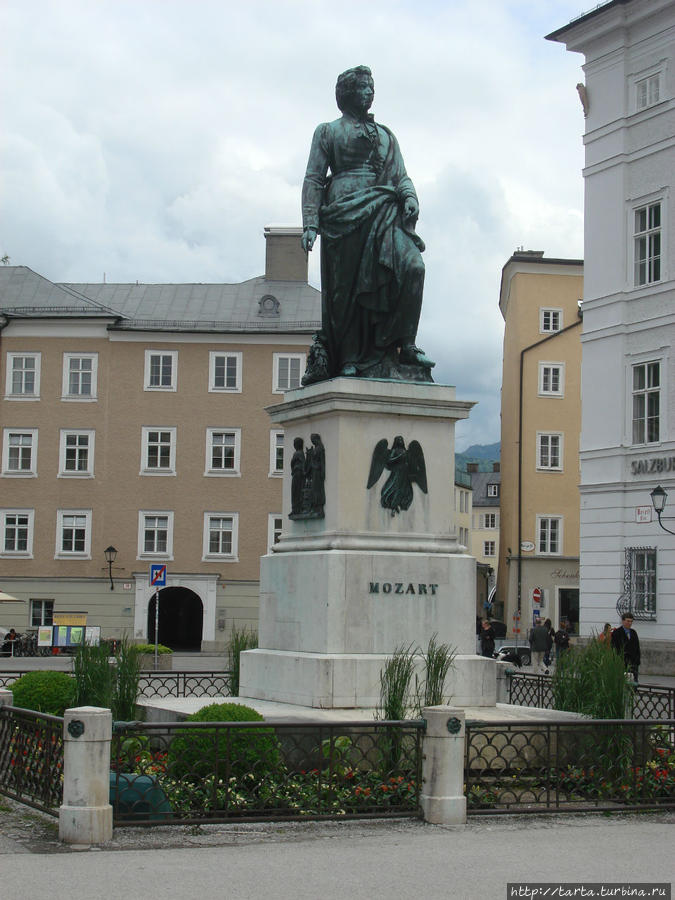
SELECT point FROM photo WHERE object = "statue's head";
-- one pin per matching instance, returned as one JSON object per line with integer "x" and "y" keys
{"x": 348, "y": 83}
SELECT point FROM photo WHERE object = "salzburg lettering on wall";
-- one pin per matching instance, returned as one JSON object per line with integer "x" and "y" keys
{"x": 652, "y": 466}
{"x": 400, "y": 587}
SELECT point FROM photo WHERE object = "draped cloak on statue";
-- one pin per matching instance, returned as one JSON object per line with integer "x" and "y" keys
{"x": 372, "y": 274}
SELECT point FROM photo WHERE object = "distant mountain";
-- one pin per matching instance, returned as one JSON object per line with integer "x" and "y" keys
{"x": 483, "y": 454}
{"x": 482, "y": 451}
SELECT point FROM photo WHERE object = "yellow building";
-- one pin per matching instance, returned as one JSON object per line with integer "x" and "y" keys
{"x": 133, "y": 417}
{"x": 538, "y": 569}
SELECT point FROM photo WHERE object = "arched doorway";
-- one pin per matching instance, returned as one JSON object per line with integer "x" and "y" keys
{"x": 181, "y": 616}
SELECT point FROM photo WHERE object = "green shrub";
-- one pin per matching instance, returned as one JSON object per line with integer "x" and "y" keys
{"x": 150, "y": 648}
{"x": 395, "y": 680}
{"x": 94, "y": 676}
{"x": 438, "y": 660}
{"x": 240, "y": 639}
{"x": 591, "y": 680}
{"x": 48, "y": 692}
{"x": 196, "y": 753}
{"x": 109, "y": 685}
{"x": 128, "y": 675}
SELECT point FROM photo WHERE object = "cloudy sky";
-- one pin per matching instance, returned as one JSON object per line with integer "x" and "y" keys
{"x": 152, "y": 140}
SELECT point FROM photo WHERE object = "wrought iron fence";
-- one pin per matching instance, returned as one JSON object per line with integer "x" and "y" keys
{"x": 164, "y": 773}
{"x": 31, "y": 758}
{"x": 649, "y": 701}
{"x": 164, "y": 684}
{"x": 558, "y": 766}
{"x": 185, "y": 684}
{"x": 7, "y": 678}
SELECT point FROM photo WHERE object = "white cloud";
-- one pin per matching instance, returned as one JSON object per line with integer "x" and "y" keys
{"x": 153, "y": 140}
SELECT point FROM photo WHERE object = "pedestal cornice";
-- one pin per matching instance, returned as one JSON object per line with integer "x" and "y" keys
{"x": 370, "y": 397}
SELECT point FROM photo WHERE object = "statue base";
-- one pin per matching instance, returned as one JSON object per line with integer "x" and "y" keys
{"x": 338, "y": 595}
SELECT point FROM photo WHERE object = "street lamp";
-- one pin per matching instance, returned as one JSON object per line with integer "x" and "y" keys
{"x": 659, "y": 497}
{"x": 110, "y": 556}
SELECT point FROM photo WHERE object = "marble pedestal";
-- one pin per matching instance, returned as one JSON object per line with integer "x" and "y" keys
{"x": 338, "y": 595}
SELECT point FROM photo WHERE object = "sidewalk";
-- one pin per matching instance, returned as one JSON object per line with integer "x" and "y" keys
{"x": 359, "y": 860}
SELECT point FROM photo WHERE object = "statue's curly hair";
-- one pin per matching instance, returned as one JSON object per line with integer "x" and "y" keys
{"x": 346, "y": 83}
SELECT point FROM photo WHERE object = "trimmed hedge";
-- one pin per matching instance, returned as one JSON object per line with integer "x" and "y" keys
{"x": 234, "y": 752}
{"x": 44, "y": 691}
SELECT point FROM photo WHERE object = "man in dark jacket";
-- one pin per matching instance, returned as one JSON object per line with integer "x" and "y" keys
{"x": 539, "y": 645}
{"x": 626, "y": 642}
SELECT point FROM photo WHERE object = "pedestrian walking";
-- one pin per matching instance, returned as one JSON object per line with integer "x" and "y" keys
{"x": 561, "y": 640}
{"x": 626, "y": 642}
{"x": 539, "y": 638}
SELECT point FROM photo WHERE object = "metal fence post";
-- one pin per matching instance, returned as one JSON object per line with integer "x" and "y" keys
{"x": 86, "y": 814}
{"x": 442, "y": 797}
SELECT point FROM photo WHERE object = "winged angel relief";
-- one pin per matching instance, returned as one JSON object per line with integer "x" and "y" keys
{"x": 405, "y": 467}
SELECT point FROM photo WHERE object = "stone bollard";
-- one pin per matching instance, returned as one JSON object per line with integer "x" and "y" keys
{"x": 86, "y": 814}
{"x": 504, "y": 672}
{"x": 442, "y": 796}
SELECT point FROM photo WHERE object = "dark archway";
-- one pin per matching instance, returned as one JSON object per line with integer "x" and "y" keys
{"x": 181, "y": 617}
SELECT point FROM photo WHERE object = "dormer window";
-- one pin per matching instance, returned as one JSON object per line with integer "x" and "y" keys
{"x": 268, "y": 306}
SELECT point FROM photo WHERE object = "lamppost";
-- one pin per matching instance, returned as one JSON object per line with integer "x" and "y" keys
{"x": 659, "y": 497}
{"x": 110, "y": 556}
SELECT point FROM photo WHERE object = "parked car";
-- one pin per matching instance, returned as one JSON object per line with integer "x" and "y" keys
{"x": 518, "y": 655}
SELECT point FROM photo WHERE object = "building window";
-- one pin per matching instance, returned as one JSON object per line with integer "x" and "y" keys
{"x": 17, "y": 532}
{"x": 275, "y": 524}
{"x": 79, "y": 376}
{"x": 276, "y": 452}
{"x": 223, "y": 451}
{"x": 155, "y": 534}
{"x": 23, "y": 376}
{"x": 646, "y": 402}
{"x": 464, "y": 536}
{"x": 493, "y": 490}
{"x": 41, "y": 613}
{"x": 640, "y": 581}
{"x": 488, "y": 548}
{"x": 551, "y": 379}
{"x": 158, "y": 451}
{"x": 549, "y": 535}
{"x": 549, "y": 451}
{"x": 489, "y": 520}
{"x": 288, "y": 371}
{"x": 550, "y": 320}
{"x": 76, "y": 453}
{"x": 648, "y": 91}
{"x": 160, "y": 370}
{"x": 73, "y": 532}
{"x": 647, "y": 244}
{"x": 19, "y": 452}
{"x": 224, "y": 371}
{"x": 220, "y": 536}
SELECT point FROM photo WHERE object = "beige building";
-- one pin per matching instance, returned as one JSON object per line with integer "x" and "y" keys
{"x": 133, "y": 417}
{"x": 541, "y": 420}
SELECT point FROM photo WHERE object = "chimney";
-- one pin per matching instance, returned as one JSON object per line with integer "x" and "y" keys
{"x": 285, "y": 260}
{"x": 495, "y": 467}
{"x": 472, "y": 468}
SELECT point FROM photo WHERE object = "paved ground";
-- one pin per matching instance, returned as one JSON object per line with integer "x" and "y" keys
{"x": 372, "y": 859}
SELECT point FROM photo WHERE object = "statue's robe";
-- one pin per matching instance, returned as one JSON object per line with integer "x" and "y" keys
{"x": 372, "y": 274}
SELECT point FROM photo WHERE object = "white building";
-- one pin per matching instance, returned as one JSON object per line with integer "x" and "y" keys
{"x": 628, "y": 368}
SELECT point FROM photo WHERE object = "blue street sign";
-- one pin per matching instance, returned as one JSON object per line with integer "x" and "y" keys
{"x": 157, "y": 575}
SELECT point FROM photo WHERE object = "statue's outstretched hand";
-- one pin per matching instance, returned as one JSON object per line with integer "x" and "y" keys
{"x": 410, "y": 208}
{"x": 308, "y": 238}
